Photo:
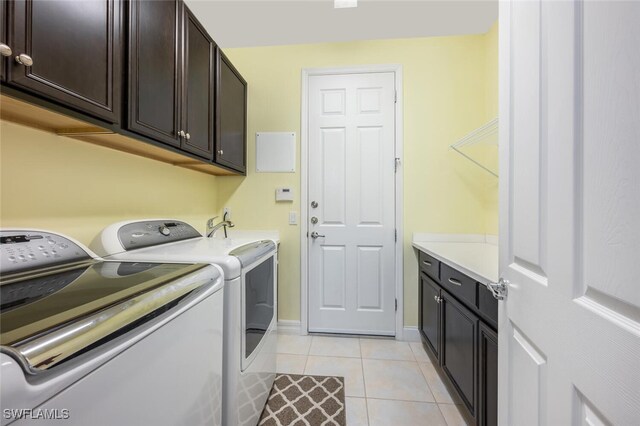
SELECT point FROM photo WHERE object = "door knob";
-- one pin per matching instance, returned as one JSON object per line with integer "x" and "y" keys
{"x": 5, "y": 50}
{"x": 314, "y": 204}
{"x": 315, "y": 235}
{"x": 24, "y": 59}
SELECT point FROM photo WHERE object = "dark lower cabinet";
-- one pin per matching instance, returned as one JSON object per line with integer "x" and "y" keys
{"x": 231, "y": 116}
{"x": 199, "y": 53}
{"x": 458, "y": 356}
{"x": 155, "y": 70}
{"x": 488, "y": 377}
{"x": 430, "y": 313}
{"x": 458, "y": 329}
{"x": 69, "y": 52}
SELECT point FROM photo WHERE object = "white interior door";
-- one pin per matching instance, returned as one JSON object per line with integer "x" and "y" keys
{"x": 569, "y": 331}
{"x": 351, "y": 178}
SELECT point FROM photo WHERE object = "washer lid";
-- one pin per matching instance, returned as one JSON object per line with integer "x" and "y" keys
{"x": 47, "y": 317}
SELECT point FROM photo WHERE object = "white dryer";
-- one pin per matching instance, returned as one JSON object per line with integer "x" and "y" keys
{"x": 87, "y": 341}
{"x": 249, "y": 263}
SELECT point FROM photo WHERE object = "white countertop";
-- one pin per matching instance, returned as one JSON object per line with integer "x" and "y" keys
{"x": 478, "y": 260}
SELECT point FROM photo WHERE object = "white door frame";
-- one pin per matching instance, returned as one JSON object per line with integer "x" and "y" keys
{"x": 304, "y": 194}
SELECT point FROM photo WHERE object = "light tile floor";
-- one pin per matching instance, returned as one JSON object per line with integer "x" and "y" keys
{"x": 386, "y": 382}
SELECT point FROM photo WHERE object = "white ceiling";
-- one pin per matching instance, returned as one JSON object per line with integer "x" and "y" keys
{"x": 244, "y": 23}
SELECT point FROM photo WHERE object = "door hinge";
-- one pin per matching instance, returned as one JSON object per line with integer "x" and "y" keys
{"x": 396, "y": 164}
{"x": 395, "y": 235}
{"x": 395, "y": 97}
{"x": 499, "y": 289}
{"x": 396, "y": 305}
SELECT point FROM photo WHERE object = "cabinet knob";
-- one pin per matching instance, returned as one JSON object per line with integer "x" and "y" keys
{"x": 24, "y": 59}
{"x": 187, "y": 136}
{"x": 181, "y": 133}
{"x": 5, "y": 50}
{"x": 221, "y": 152}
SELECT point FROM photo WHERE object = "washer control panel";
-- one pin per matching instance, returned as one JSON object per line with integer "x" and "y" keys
{"x": 24, "y": 250}
{"x": 149, "y": 233}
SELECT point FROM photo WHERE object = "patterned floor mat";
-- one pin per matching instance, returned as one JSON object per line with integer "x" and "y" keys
{"x": 305, "y": 401}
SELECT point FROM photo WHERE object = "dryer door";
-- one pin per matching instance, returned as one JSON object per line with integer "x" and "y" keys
{"x": 258, "y": 305}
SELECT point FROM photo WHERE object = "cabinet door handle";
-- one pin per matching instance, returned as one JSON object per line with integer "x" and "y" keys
{"x": 426, "y": 262}
{"x": 454, "y": 281}
{"x": 24, "y": 59}
{"x": 5, "y": 50}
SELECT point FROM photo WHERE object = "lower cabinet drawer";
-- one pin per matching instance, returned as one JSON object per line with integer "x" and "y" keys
{"x": 458, "y": 284}
{"x": 430, "y": 266}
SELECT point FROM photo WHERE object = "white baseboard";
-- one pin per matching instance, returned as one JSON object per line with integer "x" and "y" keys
{"x": 410, "y": 334}
{"x": 289, "y": 327}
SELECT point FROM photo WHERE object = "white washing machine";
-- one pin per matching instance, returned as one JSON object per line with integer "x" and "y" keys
{"x": 249, "y": 264}
{"x": 86, "y": 341}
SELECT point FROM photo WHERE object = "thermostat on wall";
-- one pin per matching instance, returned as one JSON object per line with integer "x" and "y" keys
{"x": 284, "y": 194}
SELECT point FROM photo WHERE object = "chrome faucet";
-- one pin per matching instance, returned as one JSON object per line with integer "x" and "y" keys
{"x": 211, "y": 228}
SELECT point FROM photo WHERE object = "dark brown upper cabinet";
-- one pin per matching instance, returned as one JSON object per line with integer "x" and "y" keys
{"x": 155, "y": 70}
{"x": 198, "y": 88}
{"x": 5, "y": 49}
{"x": 67, "y": 52}
{"x": 231, "y": 116}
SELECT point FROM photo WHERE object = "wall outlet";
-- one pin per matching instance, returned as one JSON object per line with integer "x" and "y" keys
{"x": 293, "y": 218}
{"x": 227, "y": 211}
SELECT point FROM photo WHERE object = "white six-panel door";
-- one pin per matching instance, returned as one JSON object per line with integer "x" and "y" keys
{"x": 351, "y": 269}
{"x": 569, "y": 331}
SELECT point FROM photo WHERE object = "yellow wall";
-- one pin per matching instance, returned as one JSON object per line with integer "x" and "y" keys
{"x": 445, "y": 97}
{"x": 491, "y": 97}
{"x": 53, "y": 182}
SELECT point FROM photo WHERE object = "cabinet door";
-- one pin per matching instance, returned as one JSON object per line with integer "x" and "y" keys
{"x": 3, "y": 39}
{"x": 430, "y": 313}
{"x": 155, "y": 70}
{"x": 75, "y": 49}
{"x": 198, "y": 88}
{"x": 459, "y": 342}
{"x": 231, "y": 116}
{"x": 488, "y": 380}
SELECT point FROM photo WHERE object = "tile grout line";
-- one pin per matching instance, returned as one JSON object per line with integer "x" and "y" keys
{"x": 364, "y": 385}
{"x": 442, "y": 414}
